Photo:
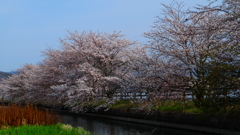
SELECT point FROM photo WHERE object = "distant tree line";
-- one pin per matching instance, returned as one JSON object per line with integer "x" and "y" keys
{"x": 4, "y": 75}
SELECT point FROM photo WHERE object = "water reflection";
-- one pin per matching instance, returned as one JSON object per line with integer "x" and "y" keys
{"x": 100, "y": 126}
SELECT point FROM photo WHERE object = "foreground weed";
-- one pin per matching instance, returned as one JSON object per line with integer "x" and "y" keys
{"x": 58, "y": 129}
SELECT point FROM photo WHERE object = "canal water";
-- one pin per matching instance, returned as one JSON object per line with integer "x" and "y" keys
{"x": 100, "y": 126}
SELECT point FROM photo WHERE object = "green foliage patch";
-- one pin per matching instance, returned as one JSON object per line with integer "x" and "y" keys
{"x": 58, "y": 129}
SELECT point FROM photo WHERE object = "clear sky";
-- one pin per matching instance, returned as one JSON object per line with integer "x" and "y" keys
{"x": 28, "y": 27}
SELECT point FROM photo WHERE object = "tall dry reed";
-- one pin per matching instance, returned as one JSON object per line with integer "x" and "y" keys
{"x": 16, "y": 115}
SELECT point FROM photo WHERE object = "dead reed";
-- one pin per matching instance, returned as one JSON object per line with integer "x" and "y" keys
{"x": 16, "y": 115}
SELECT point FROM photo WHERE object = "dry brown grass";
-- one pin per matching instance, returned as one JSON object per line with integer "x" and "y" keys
{"x": 16, "y": 115}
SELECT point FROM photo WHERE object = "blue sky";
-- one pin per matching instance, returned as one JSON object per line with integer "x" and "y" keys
{"x": 28, "y": 27}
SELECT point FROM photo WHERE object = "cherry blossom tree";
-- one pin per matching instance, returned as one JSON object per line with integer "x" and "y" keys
{"x": 223, "y": 71}
{"x": 19, "y": 88}
{"x": 89, "y": 66}
{"x": 150, "y": 75}
{"x": 192, "y": 42}
{"x": 98, "y": 58}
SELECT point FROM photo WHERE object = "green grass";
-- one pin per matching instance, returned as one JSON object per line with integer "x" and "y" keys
{"x": 178, "y": 106}
{"x": 96, "y": 103}
{"x": 57, "y": 129}
{"x": 123, "y": 104}
{"x": 166, "y": 106}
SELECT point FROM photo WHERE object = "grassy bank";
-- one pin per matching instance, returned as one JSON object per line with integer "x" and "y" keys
{"x": 166, "y": 106}
{"x": 29, "y": 120}
{"x": 187, "y": 107}
{"x": 57, "y": 129}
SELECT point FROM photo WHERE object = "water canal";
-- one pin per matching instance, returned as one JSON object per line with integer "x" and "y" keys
{"x": 100, "y": 126}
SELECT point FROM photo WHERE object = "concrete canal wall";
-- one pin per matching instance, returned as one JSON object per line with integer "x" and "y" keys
{"x": 198, "y": 128}
{"x": 171, "y": 120}
{"x": 174, "y": 120}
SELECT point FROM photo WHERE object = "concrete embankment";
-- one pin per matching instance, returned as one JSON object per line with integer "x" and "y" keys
{"x": 172, "y": 120}
{"x": 203, "y": 129}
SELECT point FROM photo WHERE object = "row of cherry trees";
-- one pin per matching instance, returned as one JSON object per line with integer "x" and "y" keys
{"x": 194, "y": 50}
{"x": 89, "y": 65}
